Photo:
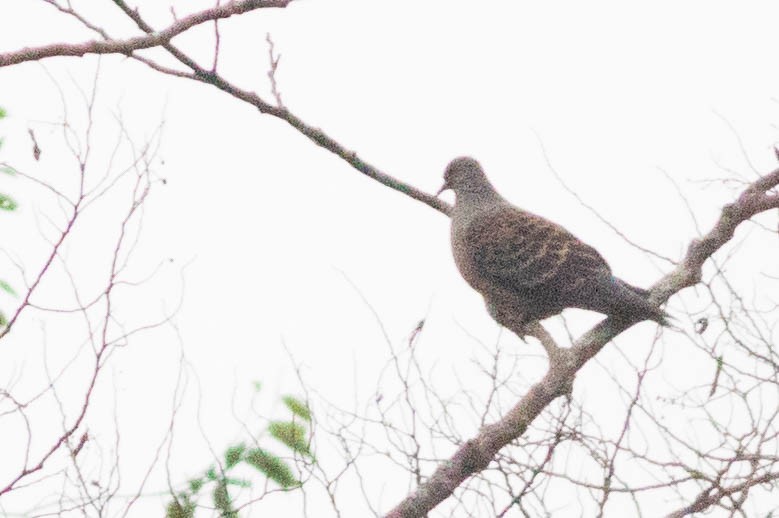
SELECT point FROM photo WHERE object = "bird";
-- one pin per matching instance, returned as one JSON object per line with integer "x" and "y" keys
{"x": 526, "y": 267}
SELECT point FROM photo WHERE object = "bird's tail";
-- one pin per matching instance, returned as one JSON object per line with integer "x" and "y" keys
{"x": 635, "y": 302}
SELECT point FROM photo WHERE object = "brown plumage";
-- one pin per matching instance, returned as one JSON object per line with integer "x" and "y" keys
{"x": 526, "y": 267}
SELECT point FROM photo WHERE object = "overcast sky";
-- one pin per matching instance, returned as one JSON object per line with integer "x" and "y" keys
{"x": 274, "y": 242}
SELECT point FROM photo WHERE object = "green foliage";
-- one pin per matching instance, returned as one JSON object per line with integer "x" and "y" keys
{"x": 7, "y": 203}
{"x": 237, "y": 482}
{"x": 195, "y": 484}
{"x": 272, "y": 467}
{"x": 233, "y": 455}
{"x": 7, "y": 288}
{"x": 180, "y": 507}
{"x": 292, "y": 434}
{"x": 695, "y": 474}
{"x": 297, "y": 407}
{"x": 222, "y": 500}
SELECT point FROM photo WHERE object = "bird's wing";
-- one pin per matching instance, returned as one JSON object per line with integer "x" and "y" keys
{"x": 520, "y": 250}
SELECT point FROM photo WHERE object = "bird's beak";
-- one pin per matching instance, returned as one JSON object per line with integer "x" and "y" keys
{"x": 443, "y": 188}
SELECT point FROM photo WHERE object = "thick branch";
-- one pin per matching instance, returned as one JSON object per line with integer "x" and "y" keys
{"x": 128, "y": 46}
{"x": 713, "y": 495}
{"x": 162, "y": 38}
{"x": 756, "y": 198}
{"x": 316, "y": 135}
{"x": 476, "y": 454}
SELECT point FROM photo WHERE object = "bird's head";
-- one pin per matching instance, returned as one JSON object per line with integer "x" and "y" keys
{"x": 464, "y": 174}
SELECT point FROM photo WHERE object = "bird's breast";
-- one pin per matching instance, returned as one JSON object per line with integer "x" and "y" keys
{"x": 463, "y": 254}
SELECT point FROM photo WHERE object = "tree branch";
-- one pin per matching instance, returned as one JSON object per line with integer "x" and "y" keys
{"x": 476, "y": 454}
{"x": 162, "y": 39}
{"x": 316, "y": 135}
{"x": 713, "y": 495}
{"x": 128, "y": 46}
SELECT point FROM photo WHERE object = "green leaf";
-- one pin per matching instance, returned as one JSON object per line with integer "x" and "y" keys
{"x": 7, "y": 169}
{"x": 7, "y": 288}
{"x": 695, "y": 474}
{"x": 238, "y": 482}
{"x": 195, "y": 484}
{"x": 3, "y": 113}
{"x": 7, "y": 203}
{"x": 257, "y": 386}
{"x": 297, "y": 407}
{"x": 222, "y": 500}
{"x": 233, "y": 455}
{"x": 180, "y": 508}
{"x": 3, "y": 320}
{"x": 273, "y": 467}
{"x": 211, "y": 473}
{"x": 291, "y": 434}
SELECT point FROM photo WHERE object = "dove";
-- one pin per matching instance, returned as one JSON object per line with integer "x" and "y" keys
{"x": 526, "y": 267}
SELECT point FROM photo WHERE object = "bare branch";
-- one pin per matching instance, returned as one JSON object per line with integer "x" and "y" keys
{"x": 316, "y": 135}
{"x": 128, "y": 46}
{"x": 711, "y": 496}
{"x": 274, "y": 64}
{"x": 477, "y": 453}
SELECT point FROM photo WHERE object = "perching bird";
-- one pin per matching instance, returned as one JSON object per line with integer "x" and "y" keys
{"x": 526, "y": 267}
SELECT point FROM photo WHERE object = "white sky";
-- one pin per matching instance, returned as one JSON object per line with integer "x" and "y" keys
{"x": 275, "y": 230}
